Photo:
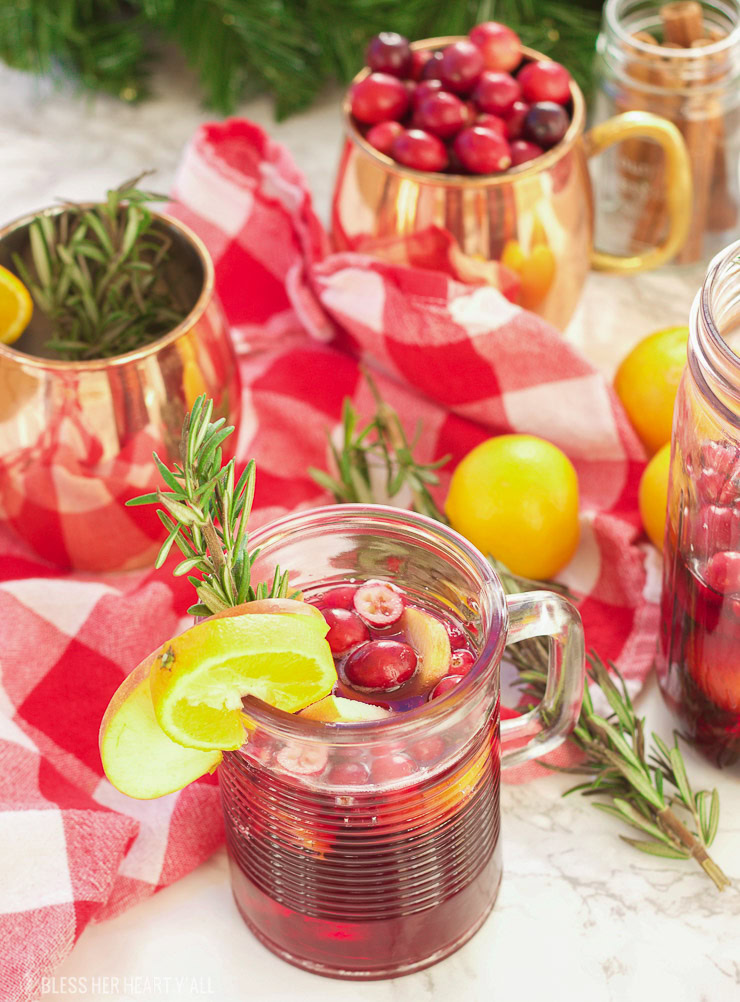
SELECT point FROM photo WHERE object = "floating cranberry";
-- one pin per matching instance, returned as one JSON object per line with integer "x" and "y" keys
{"x": 349, "y": 774}
{"x": 432, "y": 68}
{"x": 419, "y": 59}
{"x": 447, "y": 683}
{"x": 346, "y": 630}
{"x": 546, "y": 124}
{"x": 381, "y": 136}
{"x": 522, "y": 151}
{"x": 377, "y": 98}
{"x": 723, "y": 572}
{"x": 499, "y": 45}
{"x": 496, "y": 92}
{"x": 456, "y": 634}
{"x": 427, "y": 750}
{"x": 390, "y": 767}
{"x": 482, "y": 151}
{"x": 719, "y": 477}
{"x": 378, "y": 603}
{"x": 442, "y": 114}
{"x": 419, "y": 150}
{"x": 343, "y": 596}
{"x": 308, "y": 760}
{"x": 515, "y": 119}
{"x": 716, "y": 527}
{"x": 380, "y": 664}
{"x": 461, "y": 661}
{"x": 462, "y": 64}
{"x": 545, "y": 81}
{"x": 389, "y": 52}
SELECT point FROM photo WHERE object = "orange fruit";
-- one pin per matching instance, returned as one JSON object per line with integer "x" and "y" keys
{"x": 647, "y": 382}
{"x": 16, "y": 307}
{"x": 515, "y": 497}
{"x": 653, "y": 495}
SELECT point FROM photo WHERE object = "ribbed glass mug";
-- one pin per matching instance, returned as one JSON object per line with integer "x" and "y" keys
{"x": 381, "y": 880}
{"x": 699, "y": 652}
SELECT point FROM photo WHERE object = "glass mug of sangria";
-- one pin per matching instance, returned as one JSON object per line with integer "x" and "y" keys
{"x": 699, "y": 648}
{"x": 363, "y": 832}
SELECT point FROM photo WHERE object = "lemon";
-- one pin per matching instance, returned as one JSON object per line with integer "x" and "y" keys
{"x": 176, "y": 711}
{"x": 647, "y": 380}
{"x": 16, "y": 307}
{"x": 515, "y": 497}
{"x": 653, "y": 495}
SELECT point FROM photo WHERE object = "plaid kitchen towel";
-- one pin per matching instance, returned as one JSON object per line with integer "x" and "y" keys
{"x": 462, "y": 359}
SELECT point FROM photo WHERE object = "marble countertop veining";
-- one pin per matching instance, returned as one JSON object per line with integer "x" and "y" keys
{"x": 580, "y": 916}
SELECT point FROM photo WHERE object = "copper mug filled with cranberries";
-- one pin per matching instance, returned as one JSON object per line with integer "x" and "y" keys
{"x": 467, "y": 155}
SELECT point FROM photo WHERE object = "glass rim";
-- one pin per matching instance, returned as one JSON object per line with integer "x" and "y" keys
{"x": 454, "y": 705}
{"x": 712, "y": 359}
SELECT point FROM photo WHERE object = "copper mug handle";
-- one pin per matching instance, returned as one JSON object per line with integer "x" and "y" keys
{"x": 677, "y": 181}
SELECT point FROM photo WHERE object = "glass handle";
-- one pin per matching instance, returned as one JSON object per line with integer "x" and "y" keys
{"x": 546, "y": 614}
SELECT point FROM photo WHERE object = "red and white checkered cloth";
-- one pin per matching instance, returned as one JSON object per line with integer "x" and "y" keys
{"x": 462, "y": 359}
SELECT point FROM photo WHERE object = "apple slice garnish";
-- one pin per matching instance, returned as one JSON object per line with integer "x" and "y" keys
{"x": 431, "y": 642}
{"x": 337, "y": 709}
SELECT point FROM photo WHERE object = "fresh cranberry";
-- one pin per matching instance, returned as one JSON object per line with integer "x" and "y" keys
{"x": 515, "y": 119}
{"x": 377, "y": 98}
{"x": 447, "y": 683}
{"x": 381, "y": 136}
{"x": 389, "y": 767}
{"x": 545, "y": 81}
{"x": 419, "y": 150}
{"x": 493, "y": 123}
{"x": 378, "y": 603}
{"x": 462, "y": 661}
{"x": 389, "y": 52}
{"x": 719, "y": 476}
{"x": 427, "y": 750}
{"x": 456, "y": 634}
{"x": 482, "y": 151}
{"x": 723, "y": 572}
{"x": 348, "y": 774}
{"x": 522, "y": 151}
{"x": 442, "y": 114}
{"x": 302, "y": 760}
{"x": 425, "y": 89}
{"x": 346, "y": 630}
{"x": 432, "y": 68}
{"x": 546, "y": 124}
{"x": 380, "y": 664}
{"x": 499, "y": 45}
{"x": 462, "y": 64}
{"x": 342, "y": 597}
{"x": 419, "y": 59}
{"x": 496, "y": 92}
{"x": 260, "y": 746}
{"x": 715, "y": 528}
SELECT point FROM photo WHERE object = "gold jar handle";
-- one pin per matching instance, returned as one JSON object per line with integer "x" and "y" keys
{"x": 677, "y": 181}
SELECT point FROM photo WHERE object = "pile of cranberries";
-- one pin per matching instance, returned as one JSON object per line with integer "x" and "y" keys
{"x": 473, "y": 107}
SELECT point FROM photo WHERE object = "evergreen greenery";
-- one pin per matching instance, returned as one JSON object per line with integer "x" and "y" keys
{"x": 287, "y": 48}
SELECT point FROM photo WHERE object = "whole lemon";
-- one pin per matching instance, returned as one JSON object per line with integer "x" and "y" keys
{"x": 647, "y": 380}
{"x": 515, "y": 497}
{"x": 653, "y": 495}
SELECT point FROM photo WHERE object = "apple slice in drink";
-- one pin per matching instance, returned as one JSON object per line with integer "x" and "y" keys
{"x": 431, "y": 642}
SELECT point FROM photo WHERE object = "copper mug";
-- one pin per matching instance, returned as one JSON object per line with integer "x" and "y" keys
{"x": 76, "y": 438}
{"x": 537, "y": 220}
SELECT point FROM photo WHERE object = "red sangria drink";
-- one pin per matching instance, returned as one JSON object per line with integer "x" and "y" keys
{"x": 699, "y": 650}
{"x": 363, "y": 832}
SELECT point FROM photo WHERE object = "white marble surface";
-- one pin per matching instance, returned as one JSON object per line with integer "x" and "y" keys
{"x": 581, "y": 916}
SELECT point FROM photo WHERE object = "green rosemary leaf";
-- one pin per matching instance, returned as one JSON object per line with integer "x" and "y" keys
{"x": 328, "y": 483}
{"x": 187, "y": 565}
{"x": 143, "y": 499}
{"x": 200, "y": 610}
{"x": 165, "y": 548}
{"x": 657, "y": 848}
{"x": 680, "y": 778}
{"x": 169, "y": 478}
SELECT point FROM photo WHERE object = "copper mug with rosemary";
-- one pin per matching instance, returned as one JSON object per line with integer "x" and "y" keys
{"x": 126, "y": 332}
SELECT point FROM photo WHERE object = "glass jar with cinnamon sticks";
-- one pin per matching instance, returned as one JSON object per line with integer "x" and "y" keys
{"x": 682, "y": 61}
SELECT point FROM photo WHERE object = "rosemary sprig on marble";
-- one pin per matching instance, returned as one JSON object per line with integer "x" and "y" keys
{"x": 645, "y": 787}
{"x": 379, "y": 453}
{"x": 96, "y": 274}
{"x": 206, "y": 511}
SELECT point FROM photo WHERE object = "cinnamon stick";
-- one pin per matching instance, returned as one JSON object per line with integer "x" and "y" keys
{"x": 683, "y": 22}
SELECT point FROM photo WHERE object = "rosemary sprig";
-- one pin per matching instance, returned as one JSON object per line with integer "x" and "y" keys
{"x": 96, "y": 274}
{"x": 379, "y": 452}
{"x": 206, "y": 511}
{"x": 643, "y": 788}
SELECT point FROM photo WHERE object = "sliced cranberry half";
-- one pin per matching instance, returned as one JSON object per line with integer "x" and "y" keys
{"x": 302, "y": 761}
{"x": 380, "y": 665}
{"x": 461, "y": 661}
{"x": 346, "y": 630}
{"x": 378, "y": 603}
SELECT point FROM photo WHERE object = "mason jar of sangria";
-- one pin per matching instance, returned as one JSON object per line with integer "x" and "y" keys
{"x": 699, "y": 646}
{"x": 363, "y": 832}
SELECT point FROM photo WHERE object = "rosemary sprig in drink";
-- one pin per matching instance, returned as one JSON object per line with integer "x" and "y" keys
{"x": 379, "y": 452}
{"x": 96, "y": 274}
{"x": 642, "y": 787}
{"x": 206, "y": 511}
